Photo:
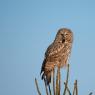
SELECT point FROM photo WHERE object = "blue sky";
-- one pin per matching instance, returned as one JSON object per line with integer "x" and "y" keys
{"x": 27, "y": 27}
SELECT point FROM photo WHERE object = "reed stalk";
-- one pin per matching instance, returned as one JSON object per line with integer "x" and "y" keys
{"x": 66, "y": 80}
{"x": 39, "y": 93}
{"x": 59, "y": 80}
{"x": 57, "y": 87}
{"x": 56, "y": 84}
{"x": 54, "y": 81}
{"x": 46, "y": 87}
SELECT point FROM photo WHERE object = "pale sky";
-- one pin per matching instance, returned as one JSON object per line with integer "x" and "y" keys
{"x": 27, "y": 27}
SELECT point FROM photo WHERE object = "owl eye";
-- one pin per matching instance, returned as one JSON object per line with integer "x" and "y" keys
{"x": 66, "y": 34}
{"x": 62, "y": 35}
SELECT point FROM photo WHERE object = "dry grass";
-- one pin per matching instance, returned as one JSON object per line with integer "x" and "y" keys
{"x": 39, "y": 93}
{"x": 56, "y": 85}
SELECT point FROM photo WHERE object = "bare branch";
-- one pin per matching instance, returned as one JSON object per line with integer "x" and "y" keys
{"x": 37, "y": 87}
{"x": 66, "y": 80}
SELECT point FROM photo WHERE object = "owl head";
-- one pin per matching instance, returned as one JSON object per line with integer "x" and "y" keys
{"x": 64, "y": 35}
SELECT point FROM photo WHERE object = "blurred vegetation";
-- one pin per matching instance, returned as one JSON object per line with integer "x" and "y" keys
{"x": 56, "y": 84}
{"x": 56, "y": 81}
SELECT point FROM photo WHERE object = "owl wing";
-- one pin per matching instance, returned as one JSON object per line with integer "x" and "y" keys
{"x": 54, "y": 49}
{"x": 49, "y": 60}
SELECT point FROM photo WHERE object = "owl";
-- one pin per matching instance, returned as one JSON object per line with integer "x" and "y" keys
{"x": 57, "y": 53}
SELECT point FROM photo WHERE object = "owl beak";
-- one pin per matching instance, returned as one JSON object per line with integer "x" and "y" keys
{"x": 63, "y": 40}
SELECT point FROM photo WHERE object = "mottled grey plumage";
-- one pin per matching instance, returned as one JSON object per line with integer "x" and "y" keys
{"x": 57, "y": 53}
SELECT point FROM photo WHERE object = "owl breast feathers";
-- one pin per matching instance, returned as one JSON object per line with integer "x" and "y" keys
{"x": 57, "y": 53}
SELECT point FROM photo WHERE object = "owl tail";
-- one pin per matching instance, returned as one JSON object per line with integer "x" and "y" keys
{"x": 47, "y": 78}
{"x": 45, "y": 73}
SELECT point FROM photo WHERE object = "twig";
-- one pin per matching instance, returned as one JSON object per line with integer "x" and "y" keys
{"x": 49, "y": 89}
{"x": 90, "y": 93}
{"x": 66, "y": 80}
{"x": 68, "y": 89}
{"x": 57, "y": 83}
{"x": 76, "y": 87}
{"x": 46, "y": 86}
{"x": 37, "y": 87}
{"x": 53, "y": 81}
